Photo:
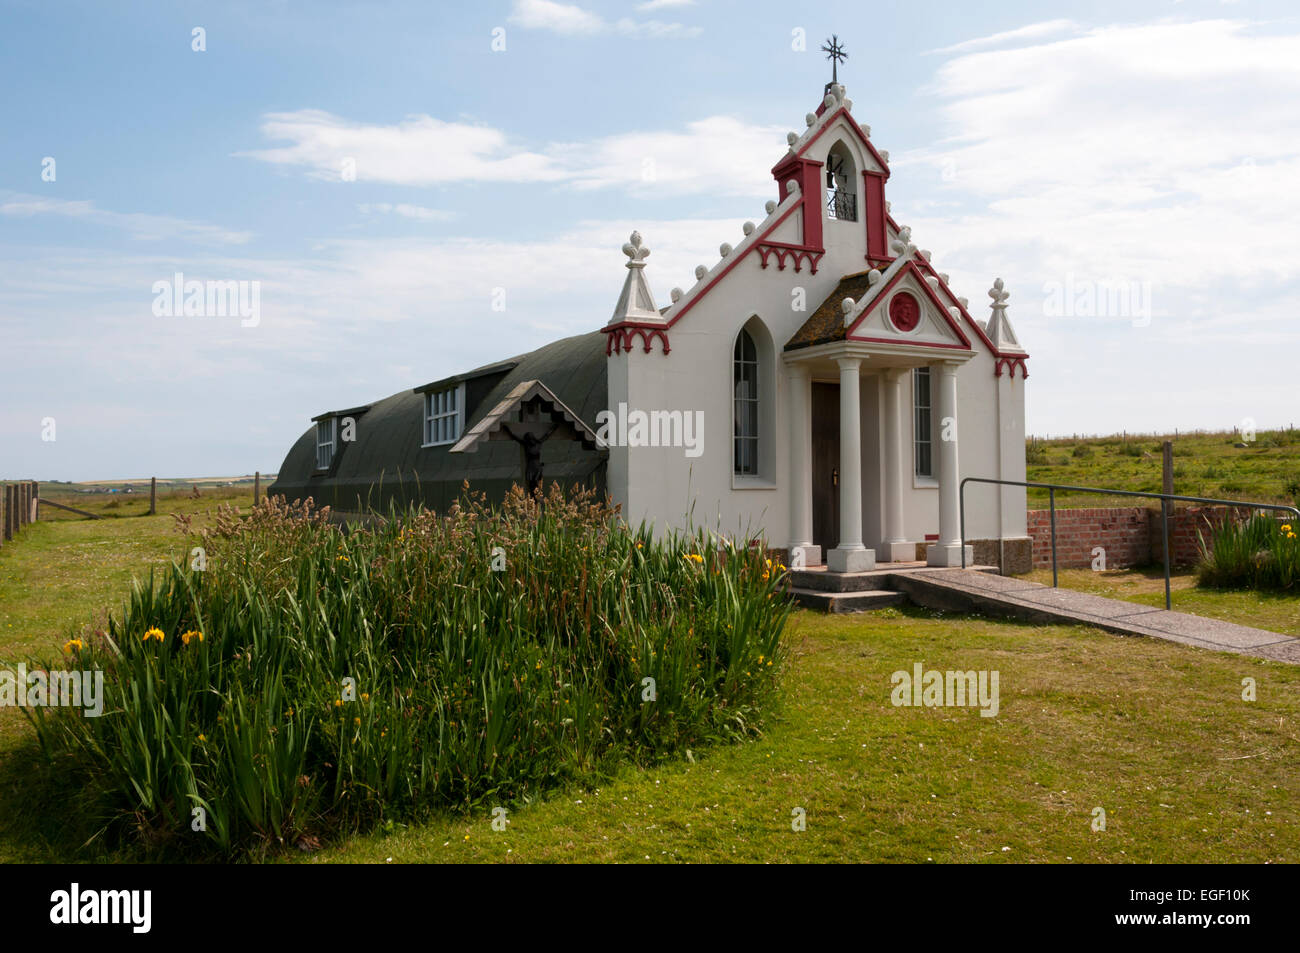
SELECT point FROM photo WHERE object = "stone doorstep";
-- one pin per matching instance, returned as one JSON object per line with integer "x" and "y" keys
{"x": 861, "y": 601}
{"x": 821, "y": 579}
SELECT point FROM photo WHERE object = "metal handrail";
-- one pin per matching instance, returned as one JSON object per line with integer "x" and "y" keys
{"x": 1051, "y": 489}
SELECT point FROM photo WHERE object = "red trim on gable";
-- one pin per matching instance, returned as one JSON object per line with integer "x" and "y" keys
{"x": 910, "y": 268}
{"x": 971, "y": 321}
{"x": 1010, "y": 357}
{"x": 862, "y": 137}
{"x": 736, "y": 260}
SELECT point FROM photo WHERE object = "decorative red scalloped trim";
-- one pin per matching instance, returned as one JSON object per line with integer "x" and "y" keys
{"x": 1011, "y": 364}
{"x": 783, "y": 250}
{"x": 618, "y": 338}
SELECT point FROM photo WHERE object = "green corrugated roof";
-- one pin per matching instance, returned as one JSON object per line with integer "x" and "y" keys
{"x": 386, "y": 461}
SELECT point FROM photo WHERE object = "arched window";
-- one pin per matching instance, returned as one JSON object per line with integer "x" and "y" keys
{"x": 841, "y": 184}
{"x": 745, "y": 380}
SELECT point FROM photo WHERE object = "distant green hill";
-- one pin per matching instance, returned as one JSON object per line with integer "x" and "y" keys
{"x": 1265, "y": 470}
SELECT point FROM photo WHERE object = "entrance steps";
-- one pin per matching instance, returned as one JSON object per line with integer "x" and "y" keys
{"x": 819, "y": 588}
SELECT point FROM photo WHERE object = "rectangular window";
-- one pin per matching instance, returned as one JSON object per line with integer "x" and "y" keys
{"x": 922, "y": 444}
{"x": 326, "y": 431}
{"x": 444, "y": 416}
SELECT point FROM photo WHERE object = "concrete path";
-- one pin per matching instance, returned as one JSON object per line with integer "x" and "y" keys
{"x": 961, "y": 590}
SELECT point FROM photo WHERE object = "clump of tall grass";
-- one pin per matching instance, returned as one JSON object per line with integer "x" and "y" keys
{"x": 1260, "y": 552}
{"x": 311, "y": 680}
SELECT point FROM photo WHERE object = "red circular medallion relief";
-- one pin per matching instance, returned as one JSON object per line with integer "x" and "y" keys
{"x": 904, "y": 312}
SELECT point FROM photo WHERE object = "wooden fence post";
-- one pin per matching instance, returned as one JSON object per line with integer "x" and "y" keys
{"x": 257, "y": 486}
{"x": 153, "y": 496}
{"x": 8, "y": 514}
{"x": 22, "y": 504}
{"x": 1168, "y": 468}
{"x": 36, "y": 499}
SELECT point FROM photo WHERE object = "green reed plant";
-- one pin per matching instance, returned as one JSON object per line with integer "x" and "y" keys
{"x": 1260, "y": 552}
{"x": 313, "y": 679}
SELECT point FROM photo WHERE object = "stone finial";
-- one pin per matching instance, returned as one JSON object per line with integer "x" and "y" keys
{"x": 724, "y": 249}
{"x": 965, "y": 303}
{"x": 944, "y": 276}
{"x": 873, "y": 276}
{"x": 884, "y": 154}
{"x": 748, "y": 228}
{"x": 810, "y": 119}
{"x": 848, "y": 104}
{"x": 791, "y": 186}
{"x": 925, "y": 253}
{"x": 636, "y": 302}
{"x": 998, "y": 327}
{"x": 903, "y": 243}
{"x": 889, "y": 206}
{"x": 791, "y": 138}
{"x": 700, "y": 272}
{"x": 769, "y": 206}
{"x": 847, "y": 305}
{"x": 675, "y": 294}
{"x": 932, "y": 281}
{"x": 866, "y": 130}
{"x": 634, "y": 250}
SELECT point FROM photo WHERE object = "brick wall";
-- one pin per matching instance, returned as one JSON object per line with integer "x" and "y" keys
{"x": 1130, "y": 535}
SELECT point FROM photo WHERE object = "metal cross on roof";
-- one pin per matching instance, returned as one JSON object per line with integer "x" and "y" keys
{"x": 835, "y": 53}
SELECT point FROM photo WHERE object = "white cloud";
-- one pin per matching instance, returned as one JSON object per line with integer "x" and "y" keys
{"x": 652, "y": 5}
{"x": 1162, "y": 153}
{"x": 1031, "y": 32}
{"x": 420, "y": 150}
{"x": 405, "y": 210}
{"x": 568, "y": 19}
{"x": 423, "y": 151}
{"x": 564, "y": 18}
{"x": 138, "y": 224}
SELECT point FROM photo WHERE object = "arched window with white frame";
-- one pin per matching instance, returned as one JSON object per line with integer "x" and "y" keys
{"x": 753, "y": 393}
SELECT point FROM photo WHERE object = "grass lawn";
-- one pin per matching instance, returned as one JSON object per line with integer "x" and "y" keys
{"x": 1266, "y": 470}
{"x": 1262, "y": 610}
{"x": 1156, "y": 734}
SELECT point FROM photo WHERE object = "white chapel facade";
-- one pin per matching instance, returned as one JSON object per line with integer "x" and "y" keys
{"x": 839, "y": 430}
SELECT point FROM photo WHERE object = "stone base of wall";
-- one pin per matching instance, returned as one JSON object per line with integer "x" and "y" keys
{"x": 1013, "y": 554}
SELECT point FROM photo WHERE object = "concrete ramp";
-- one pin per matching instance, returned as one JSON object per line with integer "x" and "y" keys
{"x": 961, "y": 590}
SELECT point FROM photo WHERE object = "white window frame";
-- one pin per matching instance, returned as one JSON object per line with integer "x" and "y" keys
{"x": 331, "y": 425}
{"x": 455, "y": 415}
{"x": 918, "y": 409}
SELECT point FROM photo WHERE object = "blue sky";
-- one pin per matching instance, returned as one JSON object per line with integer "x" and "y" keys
{"x": 1152, "y": 147}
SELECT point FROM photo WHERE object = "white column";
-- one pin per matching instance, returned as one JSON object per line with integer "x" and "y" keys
{"x": 850, "y": 555}
{"x": 896, "y": 547}
{"x": 801, "y": 519}
{"x": 947, "y": 552}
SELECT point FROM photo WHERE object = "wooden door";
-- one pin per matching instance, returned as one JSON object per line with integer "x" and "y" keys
{"x": 825, "y": 465}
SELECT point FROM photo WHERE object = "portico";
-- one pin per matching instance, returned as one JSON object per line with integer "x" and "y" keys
{"x": 869, "y": 482}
